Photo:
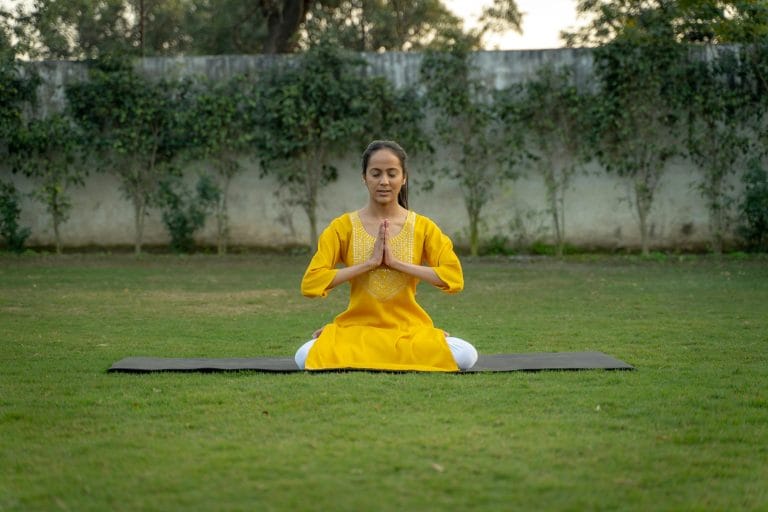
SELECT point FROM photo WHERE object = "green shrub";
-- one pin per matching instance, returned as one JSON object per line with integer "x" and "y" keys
{"x": 184, "y": 211}
{"x": 496, "y": 245}
{"x": 12, "y": 233}
{"x": 754, "y": 208}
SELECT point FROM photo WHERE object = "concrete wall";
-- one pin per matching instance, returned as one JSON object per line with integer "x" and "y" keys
{"x": 598, "y": 213}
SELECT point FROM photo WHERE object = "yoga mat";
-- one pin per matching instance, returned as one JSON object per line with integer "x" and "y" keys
{"x": 485, "y": 363}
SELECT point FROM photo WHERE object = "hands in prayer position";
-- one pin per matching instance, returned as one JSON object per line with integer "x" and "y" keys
{"x": 382, "y": 252}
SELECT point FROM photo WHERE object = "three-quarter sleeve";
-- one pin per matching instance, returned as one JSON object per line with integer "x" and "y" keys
{"x": 439, "y": 254}
{"x": 322, "y": 268}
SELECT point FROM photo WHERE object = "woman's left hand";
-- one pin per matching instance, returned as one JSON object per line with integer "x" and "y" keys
{"x": 389, "y": 259}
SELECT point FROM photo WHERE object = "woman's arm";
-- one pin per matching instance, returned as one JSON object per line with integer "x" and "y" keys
{"x": 427, "y": 274}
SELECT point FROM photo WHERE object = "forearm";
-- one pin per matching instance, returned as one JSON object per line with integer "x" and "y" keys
{"x": 348, "y": 273}
{"x": 427, "y": 274}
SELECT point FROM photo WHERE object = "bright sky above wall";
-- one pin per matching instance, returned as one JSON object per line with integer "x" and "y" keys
{"x": 542, "y": 22}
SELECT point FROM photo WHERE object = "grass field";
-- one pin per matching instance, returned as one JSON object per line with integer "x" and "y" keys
{"x": 688, "y": 430}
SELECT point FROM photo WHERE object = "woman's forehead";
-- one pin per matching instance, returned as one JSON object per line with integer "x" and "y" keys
{"x": 384, "y": 158}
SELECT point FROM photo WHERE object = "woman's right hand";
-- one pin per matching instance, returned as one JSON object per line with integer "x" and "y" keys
{"x": 377, "y": 258}
{"x": 317, "y": 333}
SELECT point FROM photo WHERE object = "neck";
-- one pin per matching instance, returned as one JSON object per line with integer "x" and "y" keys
{"x": 384, "y": 211}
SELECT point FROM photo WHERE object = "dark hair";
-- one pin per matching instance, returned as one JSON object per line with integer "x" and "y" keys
{"x": 402, "y": 197}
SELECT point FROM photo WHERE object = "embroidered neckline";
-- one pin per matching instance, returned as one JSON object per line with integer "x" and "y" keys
{"x": 356, "y": 218}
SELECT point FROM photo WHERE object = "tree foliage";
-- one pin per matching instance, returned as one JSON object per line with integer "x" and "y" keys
{"x": 90, "y": 29}
{"x": 378, "y": 25}
{"x": 17, "y": 94}
{"x": 691, "y": 21}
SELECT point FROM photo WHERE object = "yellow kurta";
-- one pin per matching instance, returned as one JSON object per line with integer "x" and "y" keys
{"x": 383, "y": 328}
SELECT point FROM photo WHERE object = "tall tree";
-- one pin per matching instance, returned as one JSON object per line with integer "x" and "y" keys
{"x": 134, "y": 124}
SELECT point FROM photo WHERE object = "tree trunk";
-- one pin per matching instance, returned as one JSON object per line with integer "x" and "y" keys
{"x": 643, "y": 206}
{"x": 282, "y": 24}
{"x": 554, "y": 207}
{"x": 222, "y": 218}
{"x": 139, "y": 208}
{"x": 312, "y": 218}
{"x": 311, "y": 189}
{"x": 57, "y": 235}
{"x": 474, "y": 238}
{"x": 56, "y": 215}
{"x": 717, "y": 213}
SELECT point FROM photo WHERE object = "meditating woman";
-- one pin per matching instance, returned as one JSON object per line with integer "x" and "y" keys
{"x": 386, "y": 250}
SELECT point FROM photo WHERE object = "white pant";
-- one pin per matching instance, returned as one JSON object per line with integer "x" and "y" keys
{"x": 463, "y": 352}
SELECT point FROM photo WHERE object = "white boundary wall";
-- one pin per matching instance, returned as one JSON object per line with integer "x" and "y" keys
{"x": 598, "y": 213}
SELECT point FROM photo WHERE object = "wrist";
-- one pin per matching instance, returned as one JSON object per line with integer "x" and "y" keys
{"x": 396, "y": 264}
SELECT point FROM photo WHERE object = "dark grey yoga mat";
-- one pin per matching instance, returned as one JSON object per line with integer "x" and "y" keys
{"x": 486, "y": 363}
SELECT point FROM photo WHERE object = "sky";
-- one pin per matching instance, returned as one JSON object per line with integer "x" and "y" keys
{"x": 542, "y": 22}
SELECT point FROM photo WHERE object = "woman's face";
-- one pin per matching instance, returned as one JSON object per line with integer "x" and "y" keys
{"x": 384, "y": 176}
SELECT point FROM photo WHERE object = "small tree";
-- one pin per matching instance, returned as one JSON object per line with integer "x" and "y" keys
{"x": 636, "y": 109}
{"x": 718, "y": 131}
{"x": 551, "y": 112}
{"x": 134, "y": 124}
{"x": 305, "y": 114}
{"x": 479, "y": 154}
{"x": 215, "y": 121}
{"x": 49, "y": 154}
{"x": 184, "y": 211}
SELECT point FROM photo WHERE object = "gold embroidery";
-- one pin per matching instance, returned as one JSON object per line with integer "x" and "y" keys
{"x": 383, "y": 283}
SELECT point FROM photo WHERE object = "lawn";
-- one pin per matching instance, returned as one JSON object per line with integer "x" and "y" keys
{"x": 688, "y": 430}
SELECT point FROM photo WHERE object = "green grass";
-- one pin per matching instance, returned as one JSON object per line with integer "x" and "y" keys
{"x": 687, "y": 431}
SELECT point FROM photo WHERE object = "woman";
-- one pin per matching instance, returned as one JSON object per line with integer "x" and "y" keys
{"x": 382, "y": 247}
